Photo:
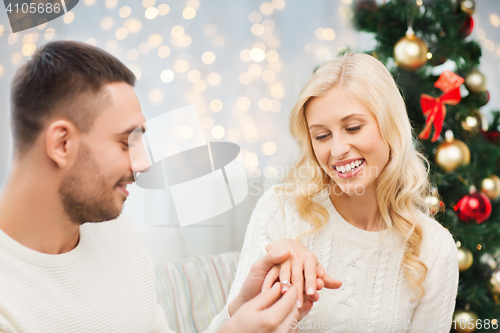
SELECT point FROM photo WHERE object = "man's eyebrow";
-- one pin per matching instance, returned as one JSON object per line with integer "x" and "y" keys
{"x": 343, "y": 119}
{"x": 132, "y": 128}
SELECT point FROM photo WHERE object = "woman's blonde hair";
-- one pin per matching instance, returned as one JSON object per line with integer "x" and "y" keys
{"x": 403, "y": 184}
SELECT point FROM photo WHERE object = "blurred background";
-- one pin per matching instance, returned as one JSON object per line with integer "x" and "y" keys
{"x": 242, "y": 63}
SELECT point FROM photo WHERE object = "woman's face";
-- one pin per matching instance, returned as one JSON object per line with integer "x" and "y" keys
{"x": 346, "y": 141}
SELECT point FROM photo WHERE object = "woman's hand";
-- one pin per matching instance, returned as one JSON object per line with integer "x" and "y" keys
{"x": 302, "y": 269}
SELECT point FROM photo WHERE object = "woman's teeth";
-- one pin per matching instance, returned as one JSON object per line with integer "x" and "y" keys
{"x": 346, "y": 168}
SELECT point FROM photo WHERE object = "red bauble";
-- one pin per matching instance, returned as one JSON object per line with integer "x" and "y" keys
{"x": 474, "y": 207}
{"x": 467, "y": 27}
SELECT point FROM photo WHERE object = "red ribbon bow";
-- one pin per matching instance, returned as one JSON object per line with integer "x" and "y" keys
{"x": 434, "y": 107}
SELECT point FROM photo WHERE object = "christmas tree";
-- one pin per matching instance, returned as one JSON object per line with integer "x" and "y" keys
{"x": 426, "y": 47}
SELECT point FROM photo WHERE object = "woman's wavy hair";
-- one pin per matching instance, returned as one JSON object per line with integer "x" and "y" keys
{"x": 403, "y": 184}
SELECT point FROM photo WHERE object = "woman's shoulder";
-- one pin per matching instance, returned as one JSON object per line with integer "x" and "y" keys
{"x": 436, "y": 238}
{"x": 273, "y": 198}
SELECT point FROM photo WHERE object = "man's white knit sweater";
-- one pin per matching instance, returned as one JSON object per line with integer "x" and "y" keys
{"x": 375, "y": 293}
{"x": 105, "y": 284}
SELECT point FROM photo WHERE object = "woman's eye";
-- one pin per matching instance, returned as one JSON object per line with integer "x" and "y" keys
{"x": 321, "y": 137}
{"x": 353, "y": 129}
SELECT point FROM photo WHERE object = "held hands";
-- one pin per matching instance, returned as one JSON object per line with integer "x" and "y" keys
{"x": 264, "y": 309}
{"x": 302, "y": 269}
{"x": 265, "y": 313}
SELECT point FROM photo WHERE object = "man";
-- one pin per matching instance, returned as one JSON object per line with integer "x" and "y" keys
{"x": 62, "y": 269}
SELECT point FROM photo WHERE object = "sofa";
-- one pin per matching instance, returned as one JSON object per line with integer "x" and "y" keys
{"x": 193, "y": 291}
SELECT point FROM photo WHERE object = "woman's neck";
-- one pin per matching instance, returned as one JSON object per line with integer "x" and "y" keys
{"x": 359, "y": 210}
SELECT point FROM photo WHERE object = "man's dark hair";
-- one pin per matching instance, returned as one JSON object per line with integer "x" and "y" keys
{"x": 63, "y": 79}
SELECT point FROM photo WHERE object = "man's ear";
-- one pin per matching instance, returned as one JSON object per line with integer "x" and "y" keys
{"x": 61, "y": 142}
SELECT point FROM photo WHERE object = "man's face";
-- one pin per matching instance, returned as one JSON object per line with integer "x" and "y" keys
{"x": 94, "y": 189}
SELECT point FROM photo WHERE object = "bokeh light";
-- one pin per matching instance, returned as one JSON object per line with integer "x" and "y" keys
{"x": 151, "y": 13}
{"x": 265, "y": 104}
{"x": 272, "y": 56}
{"x": 177, "y": 31}
{"x": 266, "y": 8}
{"x": 245, "y": 55}
{"x": 268, "y": 76}
{"x": 213, "y": 79}
{"x": 278, "y": 4}
{"x": 133, "y": 25}
{"x": 218, "y": 40}
{"x": 193, "y": 76}
{"x": 181, "y": 66}
{"x": 207, "y": 122}
{"x": 107, "y": 23}
{"x": 185, "y": 41}
{"x": 125, "y": 11}
{"x": 277, "y": 91}
{"x": 189, "y": 13}
{"x": 163, "y": 51}
{"x": 210, "y": 29}
{"x": 163, "y": 9}
{"x": 208, "y": 58}
{"x": 244, "y": 103}
{"x": 257, "y": 55}
{"x": 148, "y": 3}
{"x": 132, "y": 55}
{"x": 268, "y": 148}
{"x": 155, "y": 96}
{"x": 218, "y": 132}
{"x": 258, "y": 29}
{"x": 199, "y": 86}
{"x": 110, "y": 4}
{"x": 155, "y": 40}
{"x": 254, "y": 70}
{"x": 255, "y": 17}
{"x": 216, "y": 105}
{"x": 167, "y": 76}
{"x": 69, "y": 17}
{"x": 121, "y": 33}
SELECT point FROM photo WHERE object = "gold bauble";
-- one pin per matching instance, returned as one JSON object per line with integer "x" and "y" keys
{"x": 491, "y": 187}
{"x": 410, "y": 52}
{"x": 465, "y": 259}
{"x": 462, "y": 321}
{"x": 475, "y": 82}
{"x": 434, "y": 204}
{"x": 475, "y": 121}
{"x": 468, "y": 6}
{"x": 494, "y": 285}
{"x": 452, "y": 153}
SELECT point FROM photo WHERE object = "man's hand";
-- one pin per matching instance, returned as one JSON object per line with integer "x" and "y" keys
{"x": 266, "y": 313}
{"x": 301, "y": 268}
{"x": 253, "y": 284}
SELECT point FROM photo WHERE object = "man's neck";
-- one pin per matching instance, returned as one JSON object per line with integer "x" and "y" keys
{"x": 32, "y": 214}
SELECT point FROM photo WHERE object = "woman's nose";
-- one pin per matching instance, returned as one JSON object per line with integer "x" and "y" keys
{"x": 340, "y": 148}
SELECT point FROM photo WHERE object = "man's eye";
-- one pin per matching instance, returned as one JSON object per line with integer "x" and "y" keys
{"x": 353, "y": 129}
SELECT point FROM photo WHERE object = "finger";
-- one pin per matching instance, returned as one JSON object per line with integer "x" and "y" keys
{"x": 285, "y": 275}
{"x": 271, "y": 277}
{"x": 313, "y": 298}
{"x": 306, "y": 307}
{"x": 310, "y": 276}
{"x": 319, "y": 284}
{"x": 272, "y": 258}
{"x": 331, "y": 283}
{"x": 280, "y": 310}
{"x": 320, "y": 271}
{"x": 266, "y": 298}
{"x": 298, "y": 278}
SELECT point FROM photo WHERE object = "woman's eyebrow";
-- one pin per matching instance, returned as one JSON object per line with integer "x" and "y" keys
{"x": 343, "y": 119}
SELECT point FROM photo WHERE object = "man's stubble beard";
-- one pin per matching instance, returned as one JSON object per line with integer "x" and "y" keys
{"x": 84, "y": 193}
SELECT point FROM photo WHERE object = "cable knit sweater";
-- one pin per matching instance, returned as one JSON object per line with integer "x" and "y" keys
{"x": 375, "y": 295}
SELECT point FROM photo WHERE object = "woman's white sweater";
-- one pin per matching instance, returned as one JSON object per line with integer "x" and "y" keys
{"x": 375, "y": 295}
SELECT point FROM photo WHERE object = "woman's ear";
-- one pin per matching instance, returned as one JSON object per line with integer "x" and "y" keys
{"x": 61, "y": 142}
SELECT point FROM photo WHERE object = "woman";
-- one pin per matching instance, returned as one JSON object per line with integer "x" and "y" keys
{"x": 356, "y": 200}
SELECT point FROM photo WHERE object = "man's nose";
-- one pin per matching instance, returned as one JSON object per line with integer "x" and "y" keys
{"x": 139, "y": 159}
